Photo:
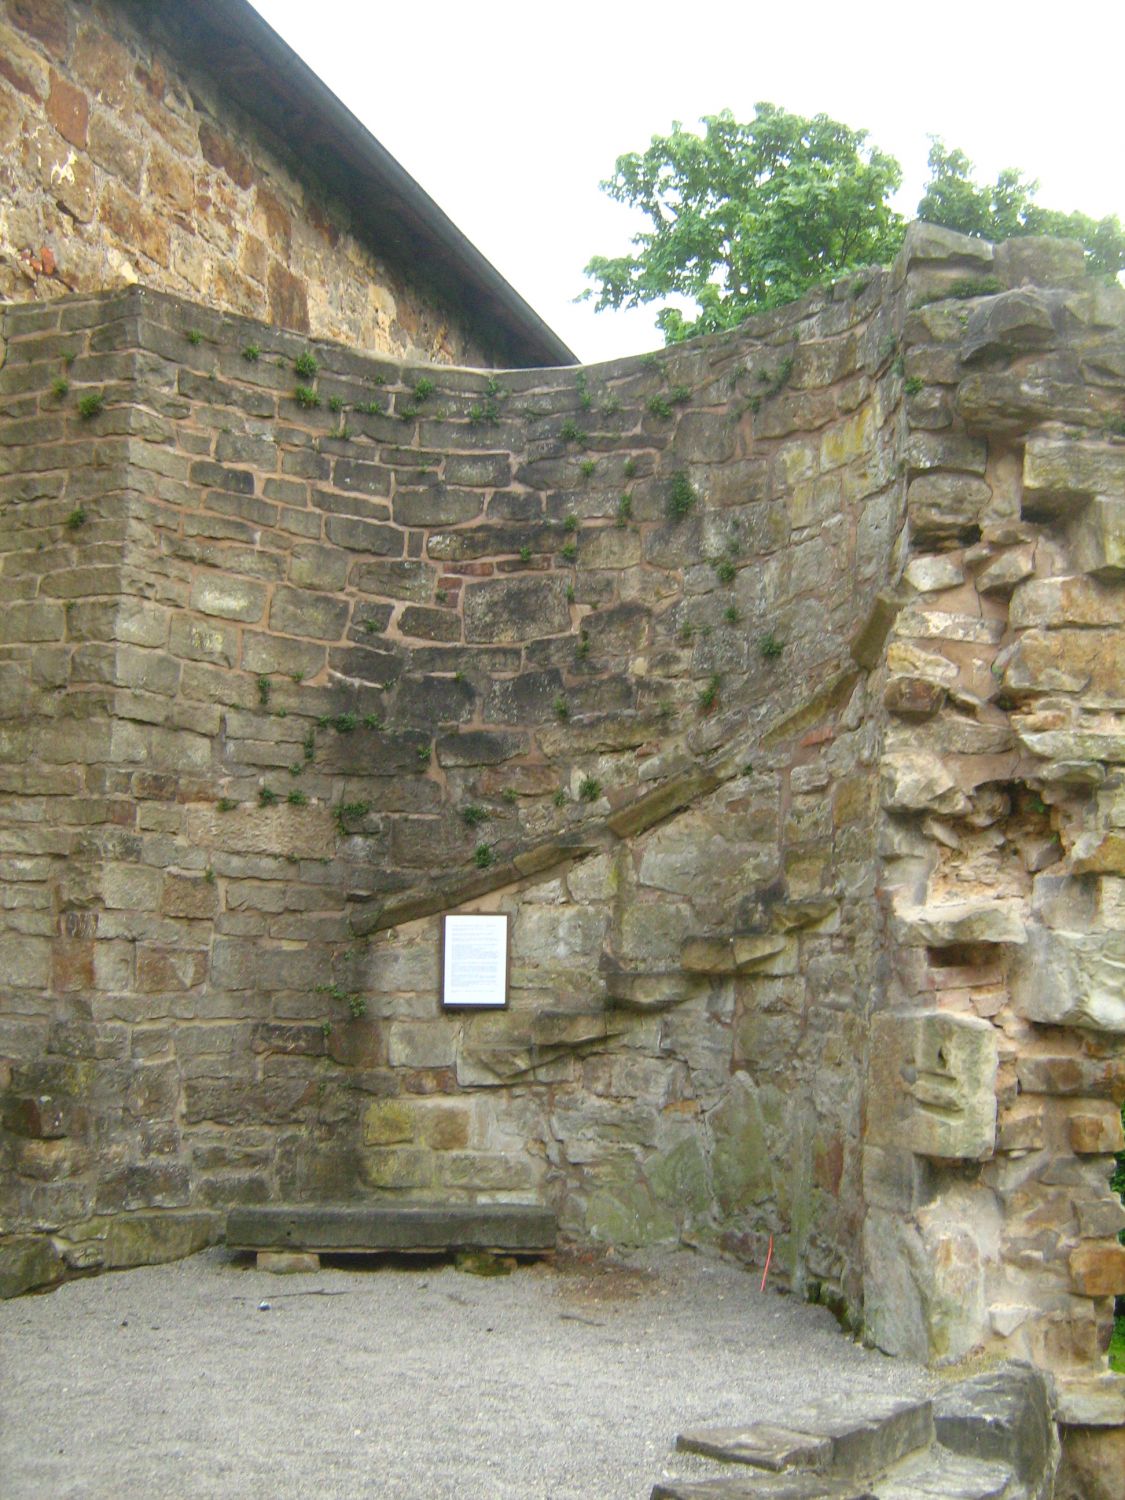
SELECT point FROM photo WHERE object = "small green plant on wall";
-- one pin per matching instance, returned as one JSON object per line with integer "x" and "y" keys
{"x": 681, "y": 497}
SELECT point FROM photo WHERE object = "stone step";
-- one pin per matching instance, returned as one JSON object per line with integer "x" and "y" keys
{"x": 941, "y": 1475}
{"x": 519, "y": 1228}
{"x": 988, "y": 1438}
{"x": 935, "y": 1474}
{"x": 1003, "y": 1416}
{"x": 762, "y": 1487}
{"x": 845, "y": 1440}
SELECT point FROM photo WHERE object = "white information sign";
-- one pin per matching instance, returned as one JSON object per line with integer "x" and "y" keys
{"x": 474, "y": 961}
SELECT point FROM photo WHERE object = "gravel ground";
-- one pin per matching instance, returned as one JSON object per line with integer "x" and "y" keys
{"x": 405, "y": 1381}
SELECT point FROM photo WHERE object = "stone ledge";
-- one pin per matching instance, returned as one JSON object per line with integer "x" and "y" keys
{"x": 353, "y": 1229}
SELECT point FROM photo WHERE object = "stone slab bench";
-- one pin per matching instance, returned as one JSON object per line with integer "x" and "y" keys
{"x": 292, "y": 1238}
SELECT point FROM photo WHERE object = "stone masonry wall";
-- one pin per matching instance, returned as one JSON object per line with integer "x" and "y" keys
{"x": 116, "y": 166}
{"x": 285, "y": 681}
{"x": 998, "y": 1066}
{"x": 768, "y": 683}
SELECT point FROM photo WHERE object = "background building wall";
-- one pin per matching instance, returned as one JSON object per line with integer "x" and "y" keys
{"x": 118, "y": 166}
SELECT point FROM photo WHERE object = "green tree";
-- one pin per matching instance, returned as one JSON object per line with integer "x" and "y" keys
{"x": 1006, "y": 208}
{"x": 747, "y": 216}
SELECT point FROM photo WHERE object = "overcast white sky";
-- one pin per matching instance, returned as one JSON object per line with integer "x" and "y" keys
{"x": 510, "y": 113}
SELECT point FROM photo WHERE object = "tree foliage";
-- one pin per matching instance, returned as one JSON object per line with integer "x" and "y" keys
{"x": 1006, "y": 208}
{"x": 748, "y": 216}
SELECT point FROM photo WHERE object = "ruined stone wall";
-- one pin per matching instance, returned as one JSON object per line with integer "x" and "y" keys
{"x": 768, "y": 683}
{"x": 998, "y": 1065}
{"x": 117, "y": 166}
{"x": 285, "y": 681}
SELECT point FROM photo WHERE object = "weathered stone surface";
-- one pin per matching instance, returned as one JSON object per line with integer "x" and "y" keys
{"x": 1098, "y": 1270}
{"x": 27, "y": 1263}
{"x": 229, "y": 598}
{"x": 732, "y": 955}
{"x": 287, "y": 1262}
{"x": 927, "y": 1286}
{"x": 1009, "y": 569}
{"x": 1000, "y": 402}
{"x": 1087, "y": 662}
{"x": 1004, "y": 1416}
{"x": 1093, "y": 1460}
{"x": 914, "y": 780}
{"x": 654, "y": 754}
{"x": 1010, "y": 323}
{"x": 1052, "y": 602}
{"x": 761, "y": 1444}
{"x": 1100, "y": 538}
{"x": 944, "y": 507}
{"x": 1040, "y": 261}
{"x": 1058, "y": 474}
{"x": 509, "y": 1226}
{"x": 931, "y": 574}
{"x": 1072, "y": 979}
{"x": 933, "y": 242}
{"x": 516, "y": 609}
{"x": 1090, "y": 1400}
{"x": 1096, "y": 1130}
{"x": 989, "y": 921}
{"x": 935, "y": 1073}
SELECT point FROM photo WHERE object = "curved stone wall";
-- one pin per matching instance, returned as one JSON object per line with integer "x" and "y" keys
{"x": 762, "y": 681}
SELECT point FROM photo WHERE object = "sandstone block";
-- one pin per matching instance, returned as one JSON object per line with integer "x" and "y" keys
{"x": 389, "y": 1122}
{"x": 397, "y": 1166}
{"x": 227, "y": 597}
{"x": 1095, "y": 1130}
{"x": 931, "y": 574}
{"x": 516, "y": 609}
{"x": 188, "y": 896}
{"x": 998, "y": 402}
{"x": 1072, "y": 979}
{"x": 1010, "y": 323}
{"x": 1089, "y": 663}
{"x": 948, "y": 923}
{"x": 288, "y": 1262}
{"x": 364, "y": 536}
{"x": 28, "y": 1262}
{"x": 304, "y": 831}
{"x": 1038, "y": 260}
{"x": 913, "y": 697}
{"x": 1052, "y": 602}
{"x": 1099, "y": 538}
{"x": 934, "y": 1075}
{"x": 439, "y": 505}
{"x": 917, "y": 780}
{"x": 933, "y": 242}
{"x": 944, "y": 507}
{"x": 422, "y": 1044}
{"x": 1008, "y": 570}
{"x": 1097, "y": 1270}
{"x": 299, "y": 612}
{"x": 267, "y": 654}
{"x": 928, "y": 451}
{"x": 395, "y": 580}
{"x": 1057, "y": 474}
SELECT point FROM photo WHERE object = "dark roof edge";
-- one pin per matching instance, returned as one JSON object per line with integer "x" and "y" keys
{"x": 381, "y": 194}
